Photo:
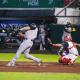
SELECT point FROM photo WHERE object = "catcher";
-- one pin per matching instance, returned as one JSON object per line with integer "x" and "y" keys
{"x": 68, "y": 51}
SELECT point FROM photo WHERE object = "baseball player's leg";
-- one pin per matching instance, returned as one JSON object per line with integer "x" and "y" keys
{"x": 42, "y": 44}
{"x": 61, "y": 56}
{"x": 27, "y": 55}
{"x": 22, "y": 47}
{"x": 12, "y": 62}
{"x": 73, "y": 58}
{"x": 43, "y": 41}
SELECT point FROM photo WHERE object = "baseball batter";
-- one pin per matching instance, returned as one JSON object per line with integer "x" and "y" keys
{"x": 29, "y": 35}
{"x": 68, "y": 47}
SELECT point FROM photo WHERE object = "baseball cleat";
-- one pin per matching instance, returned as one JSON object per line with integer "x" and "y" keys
{"x": 40, "y": 62}
{"x": 11, "y": 64}
{"x": 70, "y": 63}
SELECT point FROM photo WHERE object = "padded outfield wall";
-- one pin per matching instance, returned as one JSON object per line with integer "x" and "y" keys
{"x": 57, "y": 31}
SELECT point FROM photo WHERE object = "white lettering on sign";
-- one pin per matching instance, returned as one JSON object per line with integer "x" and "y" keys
{"x": 32, "y": 2}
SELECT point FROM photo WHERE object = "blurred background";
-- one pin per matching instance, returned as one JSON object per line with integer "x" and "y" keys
{"x": 50, "y": 17}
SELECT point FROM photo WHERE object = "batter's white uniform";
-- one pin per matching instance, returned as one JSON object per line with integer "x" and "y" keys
{"x": 25, "y": 46}
{"x": 73, "y": 52}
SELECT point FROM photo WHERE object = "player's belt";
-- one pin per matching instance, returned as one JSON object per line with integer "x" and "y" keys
{"x": 28, "y": 39}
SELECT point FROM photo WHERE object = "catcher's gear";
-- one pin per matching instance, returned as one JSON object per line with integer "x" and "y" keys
{"x": 60, "y": 50}
{"x": 65, "y": 44}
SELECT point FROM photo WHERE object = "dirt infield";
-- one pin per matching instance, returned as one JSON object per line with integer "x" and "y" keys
{"x": 45, "y": 67}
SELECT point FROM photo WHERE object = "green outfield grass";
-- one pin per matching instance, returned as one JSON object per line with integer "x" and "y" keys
{"x": 36, "y": 76}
